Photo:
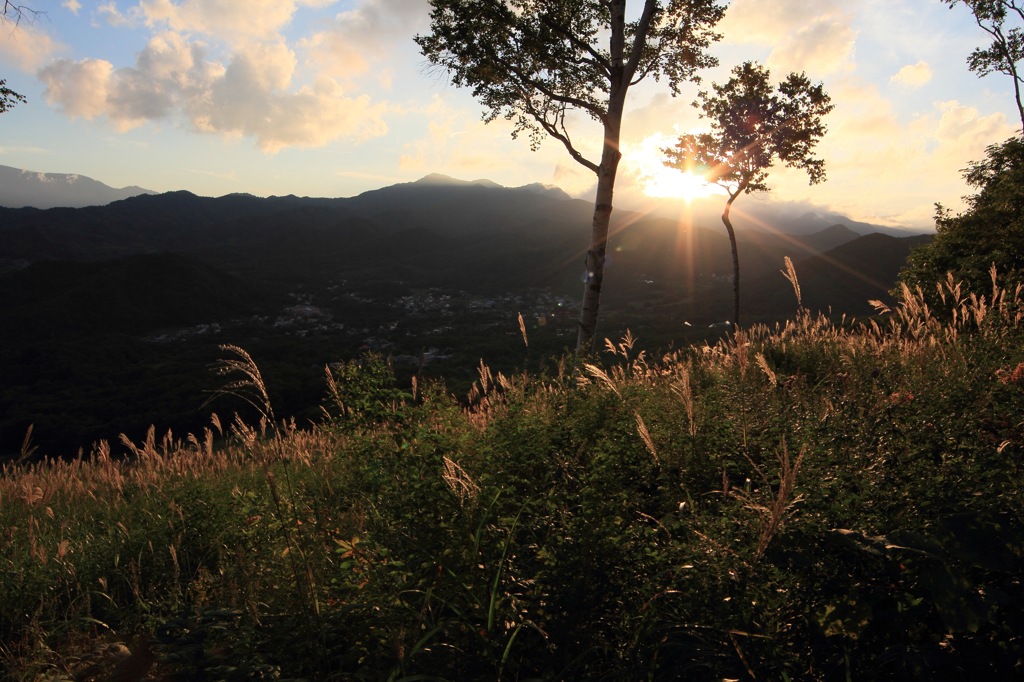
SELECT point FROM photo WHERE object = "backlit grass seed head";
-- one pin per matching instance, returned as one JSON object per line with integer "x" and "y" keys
{"x": 250, "y": 387}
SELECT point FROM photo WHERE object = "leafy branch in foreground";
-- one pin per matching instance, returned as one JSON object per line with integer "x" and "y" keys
{"x": 8, "y": 97}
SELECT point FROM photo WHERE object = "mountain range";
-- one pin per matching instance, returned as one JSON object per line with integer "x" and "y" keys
{"x": 110, "y": 315}
{"x": 20, "y": 188}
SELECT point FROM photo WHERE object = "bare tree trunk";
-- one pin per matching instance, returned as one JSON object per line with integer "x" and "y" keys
{"x": 735, "y": 261}
{"x": 594, "y": 275}
{"x": 610, "y": 155}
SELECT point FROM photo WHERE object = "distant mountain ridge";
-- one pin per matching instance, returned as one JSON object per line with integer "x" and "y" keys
{"x": 21, "y": 188}
{"x": 110, "y": 315}
{"x": 440, "y": 231}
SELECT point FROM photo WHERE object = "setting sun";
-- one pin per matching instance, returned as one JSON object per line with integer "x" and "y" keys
{"x": 671, "y": 183}
{"x": 659, "y": 181}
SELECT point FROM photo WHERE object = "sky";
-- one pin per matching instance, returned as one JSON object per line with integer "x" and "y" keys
{"x": 331, "y": 98}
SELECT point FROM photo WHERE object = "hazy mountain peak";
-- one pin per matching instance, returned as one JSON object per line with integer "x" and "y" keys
{"x": 542, "y": 188}
{"x": 21, "y": 188}
{"x": 442, "y": 179}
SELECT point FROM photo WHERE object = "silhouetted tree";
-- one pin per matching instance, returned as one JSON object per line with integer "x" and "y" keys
{"x": 1007, "y": 47}
{"x": 753, "y": 125}
{"x": 534, "y": 62}
{"x": 15, "y": 13}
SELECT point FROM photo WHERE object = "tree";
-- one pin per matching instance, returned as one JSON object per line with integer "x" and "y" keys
{"x": 8, "y": 97}
{"x": 15, "y": 13}
{"x": 1007, "y": 48}
{"x": 989, "y": 232}
{"x": 535, "y": 62}
{"x": 753, "y": 125}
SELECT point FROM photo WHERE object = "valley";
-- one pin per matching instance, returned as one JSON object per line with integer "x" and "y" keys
{"x": 113, "y": 315}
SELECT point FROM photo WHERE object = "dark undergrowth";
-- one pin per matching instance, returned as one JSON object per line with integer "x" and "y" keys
{"x": 815, "y": 501}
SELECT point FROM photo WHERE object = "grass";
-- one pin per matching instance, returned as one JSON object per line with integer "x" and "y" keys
{"x": 817, "y": 500}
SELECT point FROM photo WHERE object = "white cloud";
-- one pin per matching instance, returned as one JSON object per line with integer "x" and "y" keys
{"x": 72, "y": 5}
{"x": 110, "y": 13}
{"x": 964, "y": 133}
{"x": 249, "y": 97}
{"x": 364, "y": 36}
{"x": 26, "y": 46}
{"x": 822, "y": 47}
{"x": 232, "y": 20}
{"x": 913, "y": 75}
{"x": 806, "y": 35}
{"x": 246, "y": 102}
{"x": 78, "y": 88}
{"x": 24, "y": 149}
{"x": 886, "y": 170}
{"x": 771, "y": 21}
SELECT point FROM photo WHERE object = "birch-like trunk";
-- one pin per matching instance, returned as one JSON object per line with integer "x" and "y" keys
{"x": 596, "y": 255}
{"x": 735, "y": 261}
{"x": 609, "y": 166}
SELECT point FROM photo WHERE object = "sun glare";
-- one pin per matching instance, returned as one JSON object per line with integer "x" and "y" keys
{"x": 672, "y": 183}
{"x": 659, "y": 181}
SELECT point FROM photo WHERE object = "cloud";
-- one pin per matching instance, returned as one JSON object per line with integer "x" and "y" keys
{"x": 79, "y": 89}
{"x": 24, "y": 149}
{"x": 167, "y": 72}
{"x": 769, "y": 21}
{"x": 232, "y": 20}
{"x": 251, "y": 96}
{"x": 72, "y": 5}
{"x": 913, "y": 75}
{"x": 360, "y": 37}
{"x": 649, "y": 117}
{"x": 822, "y": 47}
{"x": 806, "y": 35}
{"x": 964, "y": 133}
{"x": 315, "y": 115}
{"x": 26, "y": 46}
{"x": 886, "y": 170}
{"x": 112, "y": 15}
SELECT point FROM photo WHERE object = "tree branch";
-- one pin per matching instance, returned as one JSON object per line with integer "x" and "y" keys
{"x": 560, "y": 134}
{"x": 639, "y": 40}
{"x": 596, "y": 58}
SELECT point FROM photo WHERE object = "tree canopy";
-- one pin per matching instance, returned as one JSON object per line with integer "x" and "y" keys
{"x": 753, "y": 125}
{"x": 538, "y": 62}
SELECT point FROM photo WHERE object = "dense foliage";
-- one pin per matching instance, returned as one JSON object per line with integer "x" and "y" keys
{"x": 988, "y": 234}
{"x": 808, "y": 502}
